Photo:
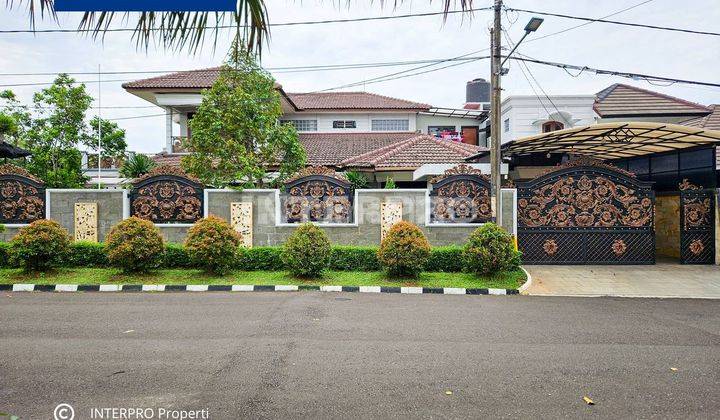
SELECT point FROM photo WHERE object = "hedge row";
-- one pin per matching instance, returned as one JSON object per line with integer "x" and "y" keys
{"x": 342, "y": 258}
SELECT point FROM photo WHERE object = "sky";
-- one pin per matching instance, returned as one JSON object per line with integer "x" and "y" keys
{"x": 637, "y": 50}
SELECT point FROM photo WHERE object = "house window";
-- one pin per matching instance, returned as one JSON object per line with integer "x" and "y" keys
{"x": 344, "y": 124}
{"x": 552, "y": 126}
{"x": 438, "y": 130}
{"x": 390, "y": 125}
{"x": 506, "y": 125}
{"x": 303, "y": 125}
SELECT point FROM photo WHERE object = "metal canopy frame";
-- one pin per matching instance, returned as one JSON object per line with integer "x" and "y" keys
{"x": 610, "y": 141}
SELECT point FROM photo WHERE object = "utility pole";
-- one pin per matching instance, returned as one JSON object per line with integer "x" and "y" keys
{"x": 495, "y": 123}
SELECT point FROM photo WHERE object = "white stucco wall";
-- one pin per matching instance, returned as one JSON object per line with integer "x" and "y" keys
{"x": 527, "y": 114}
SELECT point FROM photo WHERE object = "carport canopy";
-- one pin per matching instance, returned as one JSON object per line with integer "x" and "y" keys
{"x": 609, "y": 141}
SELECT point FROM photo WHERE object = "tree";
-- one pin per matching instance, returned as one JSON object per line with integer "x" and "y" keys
{"x": 112, "y": 140}
{"x": 19, "y": 114}
{"x": 54, "y": 135}
{"x": 236, "y": 134}
{"x": 136, "y": 166}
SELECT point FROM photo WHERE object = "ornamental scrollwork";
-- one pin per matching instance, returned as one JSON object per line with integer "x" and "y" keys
{"x": 462, "y": 195}
{"x": 585, "y": 199}
{"x": 320, "y": 195}
{"x": 22, "y": 196}
{"x": 167, "y": 198}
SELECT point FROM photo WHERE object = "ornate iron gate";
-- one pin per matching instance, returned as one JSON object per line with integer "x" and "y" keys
{"x": 586, "y": 212}
{"x": 697, "y": 224}
{"x": 318, "y": 194}
{"x": 461, "y": 195}
{"x": 167, "y": 195}
{"x": 22, "y": 196}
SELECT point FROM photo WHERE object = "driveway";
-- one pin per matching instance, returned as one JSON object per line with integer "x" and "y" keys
{"x": 664, "y": 280}
{"x": 355, "y": 355}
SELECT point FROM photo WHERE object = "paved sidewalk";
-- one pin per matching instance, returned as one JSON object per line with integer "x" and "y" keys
{"x": 665, "y": 279}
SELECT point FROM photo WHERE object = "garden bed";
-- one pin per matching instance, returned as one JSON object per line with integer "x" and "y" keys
{"x": 98, "y": 276}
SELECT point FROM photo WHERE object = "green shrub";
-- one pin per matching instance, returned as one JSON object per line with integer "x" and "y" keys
{"x": 5, "y": 254}
{"x": 86, "y": 254}
{"x": 354, "y": 258}
{"x": 134, "y": 245}
{"x": 40, "y": 246}
{"x": 405, "y": 250}
{"x": 490, "y": 249}
{"x": 306, "y": 252}
{"x": 176, "y": 256}
{"x": 447, "y": 259}
{"x": 213, "y": 245}
{"x": 260, "y": 258}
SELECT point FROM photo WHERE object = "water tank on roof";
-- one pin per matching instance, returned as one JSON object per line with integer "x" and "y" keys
{"x": 477, "y": 90}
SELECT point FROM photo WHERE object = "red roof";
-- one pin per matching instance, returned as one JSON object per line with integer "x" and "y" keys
{"x": 204, "y": 79}
{"x": 377, "y": 151}
{"x": 352, "y": 100}
{"x": 621, "y": 100}
{"x": 412, "y": 153}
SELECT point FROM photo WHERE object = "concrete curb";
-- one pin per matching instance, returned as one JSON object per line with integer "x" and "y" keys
{"x": 67, "y": 288}
{"x": 523, "y": 289}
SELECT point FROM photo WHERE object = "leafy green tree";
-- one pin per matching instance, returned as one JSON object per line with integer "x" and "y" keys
{"x": 54, "y": 135}
{"x": 112, "y": 141}
{"x": 236, "y": 134}
{"x": 20, "y": 115}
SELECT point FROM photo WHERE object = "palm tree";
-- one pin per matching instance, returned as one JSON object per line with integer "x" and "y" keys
{"x": 185, "y": 30}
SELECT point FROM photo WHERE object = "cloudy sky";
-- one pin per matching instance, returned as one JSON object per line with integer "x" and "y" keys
{"x": 670, "y": 54}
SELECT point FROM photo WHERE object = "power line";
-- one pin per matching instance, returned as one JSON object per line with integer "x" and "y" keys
{"x": 281, "y": 24}
{"x": 647, "y": 77}
{"x": 615, "y": 22}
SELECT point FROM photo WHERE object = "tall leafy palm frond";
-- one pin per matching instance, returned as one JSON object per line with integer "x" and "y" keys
{"x": 170, "y": 30}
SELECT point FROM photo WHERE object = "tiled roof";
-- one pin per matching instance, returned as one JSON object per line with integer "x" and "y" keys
{"x": 621, "y": 100}
{"x": 204, "y": 79}
{"x": 708, "y": 122}
{"x": 329, "y": 149}
{"x": 380, "y": 151}
{"x": 413, "y": 153}
{"x": 191, "y": 79}
{"x": 352, "y": 100}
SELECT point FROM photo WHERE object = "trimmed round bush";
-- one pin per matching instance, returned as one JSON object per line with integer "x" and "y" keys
{"x": 40, "y": 246}
{"x": 306, "y": 252}
{"x": 134, "y": 245}
{"x": 213, "y": 245}
{"x": 404, "y": 251}
{"x": 490, "y": 249}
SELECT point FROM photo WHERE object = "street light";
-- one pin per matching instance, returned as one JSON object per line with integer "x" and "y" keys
{"x": 531, "y": 26}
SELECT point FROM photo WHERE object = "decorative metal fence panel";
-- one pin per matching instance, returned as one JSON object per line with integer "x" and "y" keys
{"x": 167, "y": 195}
{"x": 697, "y": 224}
{"x": 22, "y": 195}
{"x": 461, "y": 195}
{"x": 318, "y": 194}
{"x": 586, "y": 212}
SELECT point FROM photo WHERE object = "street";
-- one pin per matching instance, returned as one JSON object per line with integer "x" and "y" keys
{"x": 328, "y": 355}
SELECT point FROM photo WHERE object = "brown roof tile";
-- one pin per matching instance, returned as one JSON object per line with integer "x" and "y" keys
{"x": 191, "y": 79}
{"x": 329, "y": 149}
{"x": 352, "y": 100}
{"x": 621, "y": 100}
{"x": 167, "y": 159}
{"x": 413, "y": 153}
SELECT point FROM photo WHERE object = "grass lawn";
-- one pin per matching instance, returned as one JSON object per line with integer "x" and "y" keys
{"x": 506, "y": 280}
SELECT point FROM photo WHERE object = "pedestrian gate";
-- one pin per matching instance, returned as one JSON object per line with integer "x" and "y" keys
{"x": 697, "y": 224}
{"x": 586, "y": 212}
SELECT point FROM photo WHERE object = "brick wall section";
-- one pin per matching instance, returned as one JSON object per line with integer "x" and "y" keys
{"x": 265, "y": 232}
{"x": 110, "y": 208}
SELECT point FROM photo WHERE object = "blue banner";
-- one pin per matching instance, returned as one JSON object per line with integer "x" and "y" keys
{"x": 145, "y": 5}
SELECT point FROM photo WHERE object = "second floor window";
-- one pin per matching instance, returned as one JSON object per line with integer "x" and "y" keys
{"x": 303, "y": 125}
{"x": 506, "y": 125}
{"x": 552, "y": 126}
{"x": 390, "y": 125}
{"x": 344, "y": 124}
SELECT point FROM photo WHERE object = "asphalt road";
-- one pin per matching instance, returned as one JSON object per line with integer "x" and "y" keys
{"x": 322, "y": 355}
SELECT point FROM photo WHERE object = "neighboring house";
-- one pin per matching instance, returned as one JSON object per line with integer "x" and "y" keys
{"x": 621, "y": 102}
{"x": 379, "y": 135}
{"x": 529, "y": 115}
{"x": 708, "y": 122}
